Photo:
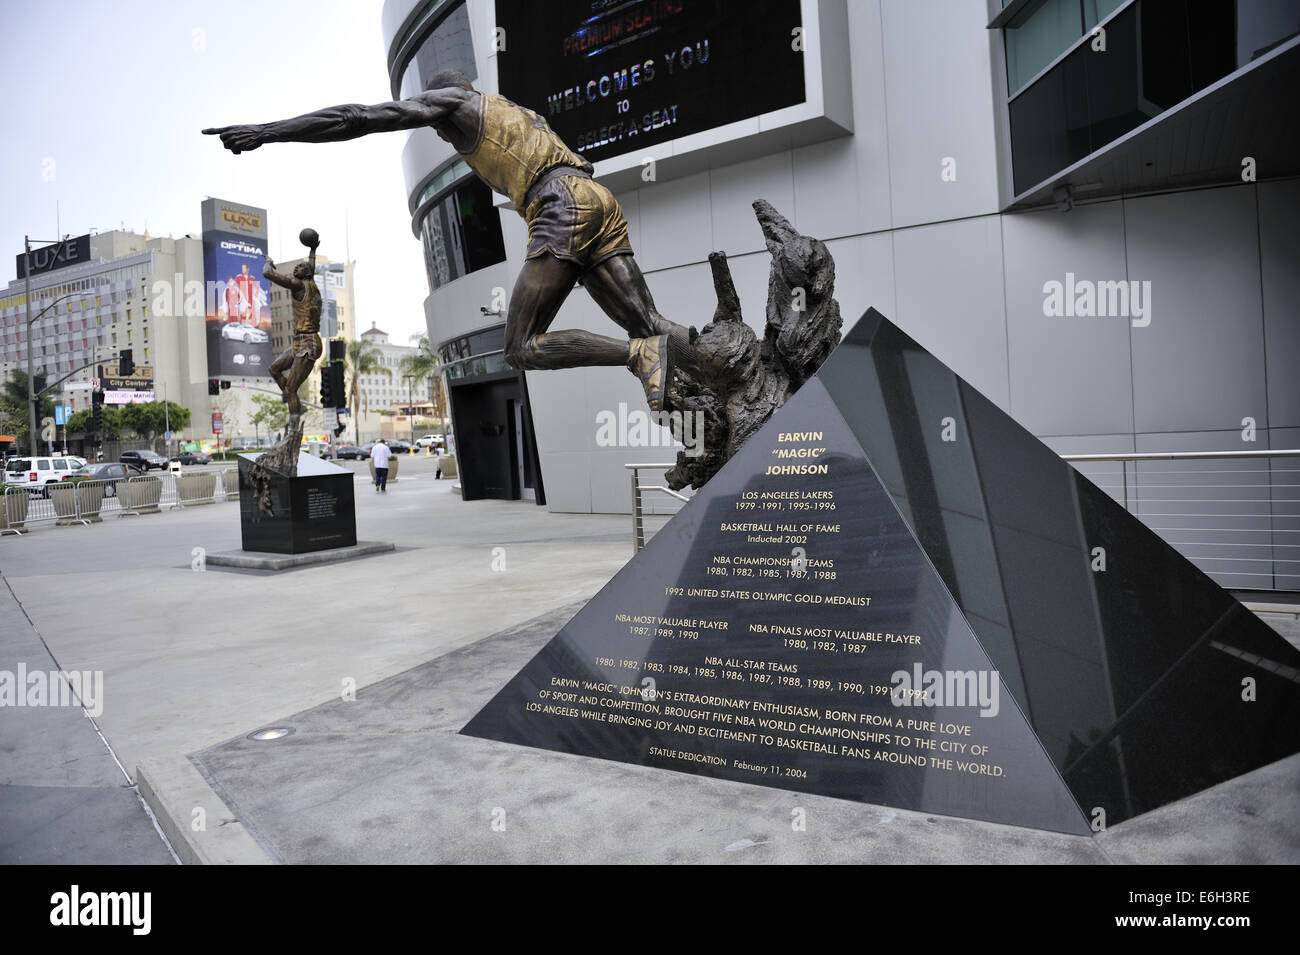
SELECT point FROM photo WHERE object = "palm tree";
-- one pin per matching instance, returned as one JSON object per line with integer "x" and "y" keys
{"x": 363, "y": 359}
{"x": 13, "y": 405}
{"x": 423, "y": 366}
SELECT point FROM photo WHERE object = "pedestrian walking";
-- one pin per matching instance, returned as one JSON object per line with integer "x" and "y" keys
{"x": 380, "y": 454}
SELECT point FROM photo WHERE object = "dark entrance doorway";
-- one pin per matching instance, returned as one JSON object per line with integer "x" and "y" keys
{"x": 496, "y": 451}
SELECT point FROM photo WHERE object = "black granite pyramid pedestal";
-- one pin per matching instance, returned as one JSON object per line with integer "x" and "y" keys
{"x": 893, "y": 594}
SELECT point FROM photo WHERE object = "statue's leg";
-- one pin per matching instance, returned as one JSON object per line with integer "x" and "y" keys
{"x": 279, "y": 366}
{"x": 544, "y": 283}
{"x": 298, "y": 373}
{"x": 619, "y": 288}
{"x": 659, "y": 347}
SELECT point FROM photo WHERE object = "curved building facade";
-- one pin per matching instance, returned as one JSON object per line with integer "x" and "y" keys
{"x": 461, "y": 231}
{"x": 971, "y": 165}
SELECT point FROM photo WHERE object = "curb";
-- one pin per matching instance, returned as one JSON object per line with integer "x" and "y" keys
{"x": 174, "y": 789}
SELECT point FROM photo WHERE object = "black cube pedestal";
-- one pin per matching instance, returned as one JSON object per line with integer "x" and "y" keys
{"x": 314, "y": 511}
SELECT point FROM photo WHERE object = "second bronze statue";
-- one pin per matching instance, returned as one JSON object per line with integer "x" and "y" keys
{"x": 294, "y": 365}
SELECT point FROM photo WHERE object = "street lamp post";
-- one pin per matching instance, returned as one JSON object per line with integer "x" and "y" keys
{"x": 410, "y": 407}
{"x": 27, "y": 298}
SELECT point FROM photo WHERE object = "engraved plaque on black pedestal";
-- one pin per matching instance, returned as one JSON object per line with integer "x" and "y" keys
{"x": 313, "y": 511}
{"x": 889, "y": 595}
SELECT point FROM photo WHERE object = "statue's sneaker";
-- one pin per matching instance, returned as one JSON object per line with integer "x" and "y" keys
{"x": 648, "y": 359}
{"x": 655, "y": 361}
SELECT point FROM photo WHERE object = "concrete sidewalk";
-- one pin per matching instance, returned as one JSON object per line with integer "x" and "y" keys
{"x": 376, "y": 664}
{"x": 195, "y": 655}
{"x": 387, "y": 778}
{"x": 64, "y": 800}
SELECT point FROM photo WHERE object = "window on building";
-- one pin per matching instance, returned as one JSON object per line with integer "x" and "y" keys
{"x": 1158, "y": 53}
{"x": 461, "y": 233}
{"x": 448, "y": 46}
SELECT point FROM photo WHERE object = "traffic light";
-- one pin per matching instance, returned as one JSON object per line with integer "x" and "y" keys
{"x": 125, "y": 363}
{"x": 38, "y": 385}
{"x": 224, "y": 384}
{"x": 326, "y": 387}
{"x": 335, "y": 373}
{"x": 214, "y": 386}
{"x": 96, "y": 412}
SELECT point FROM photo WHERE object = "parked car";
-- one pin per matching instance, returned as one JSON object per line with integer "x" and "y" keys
{"x": 399, "y": 447}
{"x": 145, "y": 460}
{"x": 109, "y": 472}
{"x": 350, "y": 451}
{"x": 429, "y": 440}
{"x": 35, "y": 473}
{"x": 192, "y": 457}
{"x": 242, "y": 332}
{"x": 367, "y": 447}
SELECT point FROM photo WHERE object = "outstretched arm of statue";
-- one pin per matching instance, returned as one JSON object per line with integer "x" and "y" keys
{"x": 337, "y": 123}
{"x": 279, "y": 278}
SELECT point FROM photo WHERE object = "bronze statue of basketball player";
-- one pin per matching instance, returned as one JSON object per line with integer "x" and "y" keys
{"x": 576, "y": 230}
{"x": 291, "y": 369}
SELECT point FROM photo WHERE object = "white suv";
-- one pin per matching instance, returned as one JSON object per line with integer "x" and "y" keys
{"x": 37, "y": 472}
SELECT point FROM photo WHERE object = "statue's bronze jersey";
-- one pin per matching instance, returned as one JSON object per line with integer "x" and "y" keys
{"x": 514, "y": 146}
{"x": 306, "y": 314}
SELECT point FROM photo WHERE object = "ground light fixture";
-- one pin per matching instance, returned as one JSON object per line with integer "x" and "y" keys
{"x": 271, "y": 733}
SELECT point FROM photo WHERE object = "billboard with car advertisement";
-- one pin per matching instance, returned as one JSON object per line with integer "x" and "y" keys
{"x": 238, "y": 316}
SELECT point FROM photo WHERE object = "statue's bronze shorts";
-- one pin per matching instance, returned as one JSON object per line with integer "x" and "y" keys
{"x": 306, "y": 345}
{"x": 578, "y": 220}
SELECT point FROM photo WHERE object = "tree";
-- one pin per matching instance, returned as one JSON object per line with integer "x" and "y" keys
{"x": 425, "y": 365}
{"x": 13, "y": 406}
{"x": 363, "y": 358}
{"x": 111, "y": 417}
{"x": 148, "y": 419}
{"x": 271, "y": 412}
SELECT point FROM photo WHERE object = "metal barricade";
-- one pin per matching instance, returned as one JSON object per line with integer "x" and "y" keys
{"x": 195, "y": 488}
{"x": 39, "y": 505}
{"x": 78, "y": 502}
{"x": 230, "y": 483}
{"x": 640, "y": 511}
{"x": 13, "y": 510}
{"x": 140, "y": 495}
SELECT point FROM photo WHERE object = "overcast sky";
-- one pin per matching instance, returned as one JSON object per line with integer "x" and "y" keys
{"x": 105, "y": 103}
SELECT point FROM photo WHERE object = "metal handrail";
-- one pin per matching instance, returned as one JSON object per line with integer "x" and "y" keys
{"x": 1251, "y": 550}
{"x": 638, "y": 507}
{"x": 1179, "y": 455}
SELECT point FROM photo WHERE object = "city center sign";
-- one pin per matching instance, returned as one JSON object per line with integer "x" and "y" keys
{"x": 139, "y": 381}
